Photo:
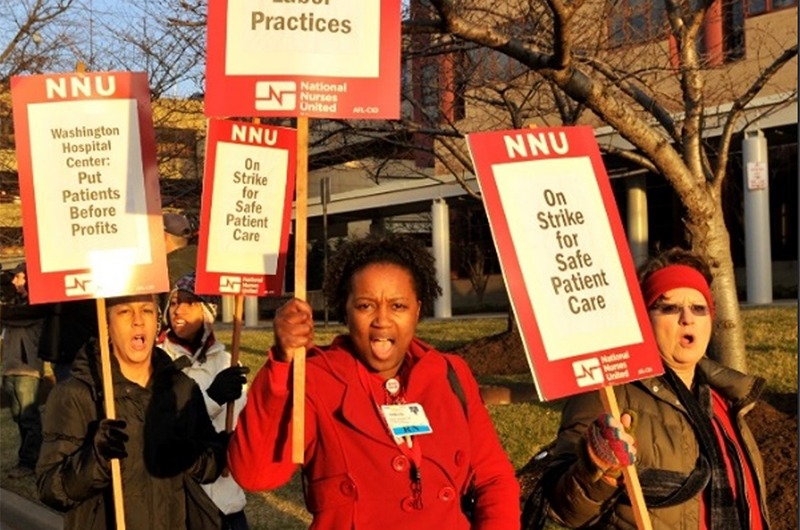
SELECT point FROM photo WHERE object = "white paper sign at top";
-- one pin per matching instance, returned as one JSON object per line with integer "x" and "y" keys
{"x": 757, "y": 176}
{"x": 90, "y": 177}
{"x": 569, "y": 258}
{"x": 339, "y": 38}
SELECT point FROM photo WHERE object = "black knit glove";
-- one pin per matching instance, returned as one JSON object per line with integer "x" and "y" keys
{"x": 227, "y": 386}
{"x": 110, "y": 438}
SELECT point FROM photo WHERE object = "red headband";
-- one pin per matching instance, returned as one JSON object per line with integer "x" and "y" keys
{"x": 675, "y": 277}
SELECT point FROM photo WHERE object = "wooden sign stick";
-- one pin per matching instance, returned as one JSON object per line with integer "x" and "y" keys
{"x": 632, "y": 485}
{"x": 108, "y": 391}
{"x": 238, "y": 310}
{"x": 300, "y": 239}
{"x": 111, "y": 412}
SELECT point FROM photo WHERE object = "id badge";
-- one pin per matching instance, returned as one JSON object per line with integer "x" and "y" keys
{"x": 408, "y": 419}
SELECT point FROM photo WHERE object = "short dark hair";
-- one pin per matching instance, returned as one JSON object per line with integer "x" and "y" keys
{"x": 396, "y": 249}
{"x": 675, "y": 256}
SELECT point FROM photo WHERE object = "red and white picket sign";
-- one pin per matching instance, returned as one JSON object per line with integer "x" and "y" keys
{"x": 89, "y": 187}
{"x": 565, "y": 259}
{"x": 247, "y": 208}
{"x": 321, "y": 58}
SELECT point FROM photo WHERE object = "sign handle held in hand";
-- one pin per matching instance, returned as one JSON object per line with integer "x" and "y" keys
{"x": 237, "y": 333}
{"x": 238, "y": 311}
{"x": 300, "y": 238}
{"x": 111, "y": 413}
{"x": 108, "y": 392}
{"x": 629, "y": 474}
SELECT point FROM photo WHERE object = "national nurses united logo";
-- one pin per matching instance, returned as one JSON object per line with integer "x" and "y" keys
{"x": 230, "y": 284}
{"x": 79, "y": 284}
{"x": 588, "y": 372}
{"x": 276, "y": 95}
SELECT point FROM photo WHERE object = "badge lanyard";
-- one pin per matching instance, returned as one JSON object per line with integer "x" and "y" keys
{"x": 412, "y": 451}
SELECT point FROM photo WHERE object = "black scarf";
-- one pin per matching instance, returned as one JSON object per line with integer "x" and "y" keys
{"x": 725, "y": 511}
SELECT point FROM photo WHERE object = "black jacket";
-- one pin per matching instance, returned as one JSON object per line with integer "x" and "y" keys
{"x": 67, "y": 329}
{"x": 172, "y": 447}
{"x": 23, "y": 323}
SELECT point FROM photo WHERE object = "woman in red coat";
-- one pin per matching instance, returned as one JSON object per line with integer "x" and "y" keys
{"x": 367, "y": 395}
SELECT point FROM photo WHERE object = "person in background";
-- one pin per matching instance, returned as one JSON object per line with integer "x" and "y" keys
{"x": 22, "y": 370}
{"x": 67, "y": 328}
{"x": 697, "y": 460}
{"x": 359, "y": 472}
{"x": 189, "y": 340}
{"x": 181, "y": 254}
{"x": 162, "y": 434}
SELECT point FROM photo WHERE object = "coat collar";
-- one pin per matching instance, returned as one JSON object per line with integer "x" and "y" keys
{"x": 86, "y": 368}
{"x": 736, "y": 388}
{"x": 427, "y": 376}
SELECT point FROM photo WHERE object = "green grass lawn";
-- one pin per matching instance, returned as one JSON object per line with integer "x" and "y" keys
{"x": 523, "y": 428}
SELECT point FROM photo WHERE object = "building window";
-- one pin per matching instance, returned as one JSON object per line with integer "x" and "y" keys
{"x": 430, "y": 89}
{"x": 635, "y": 21}
{"x": 757, "y": 7}
{"x": 733, "y": 30}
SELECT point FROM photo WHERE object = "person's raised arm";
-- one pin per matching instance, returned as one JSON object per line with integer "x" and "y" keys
{"x": 294, "y": 328}
{"x": 586, "y": 469}
{"x": 259, "y": 453}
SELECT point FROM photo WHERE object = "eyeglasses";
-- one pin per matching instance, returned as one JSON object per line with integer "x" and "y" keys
{"x": 697, "y": 310}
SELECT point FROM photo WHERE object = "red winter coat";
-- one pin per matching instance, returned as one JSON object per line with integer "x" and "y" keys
{"x": 355, "y": 474}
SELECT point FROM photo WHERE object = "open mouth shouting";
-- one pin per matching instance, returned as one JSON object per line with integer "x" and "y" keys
{"x": 381, "y": 347}
{"x": 139, "y": 342}
{"x": 687, "y": 340}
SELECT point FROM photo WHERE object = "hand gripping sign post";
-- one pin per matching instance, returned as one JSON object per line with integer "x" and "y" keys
{"x": 320, "y": 58}
{"x": 245, "y": 216}
{"x": 335, "y": 59}
{"x": 567, "y": 266}
{"x": 91, "y": 205}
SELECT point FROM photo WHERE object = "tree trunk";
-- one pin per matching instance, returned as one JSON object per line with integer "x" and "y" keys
{"x": 710, "y": 239}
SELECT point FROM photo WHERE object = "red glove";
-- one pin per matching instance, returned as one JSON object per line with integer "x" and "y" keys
{"x": 610, "y": 443}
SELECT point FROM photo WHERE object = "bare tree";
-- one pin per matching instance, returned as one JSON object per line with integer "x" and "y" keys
{"x": 35, "y": 35}
{"x": 142, "y": 36}
{"x": 653, "y": 95}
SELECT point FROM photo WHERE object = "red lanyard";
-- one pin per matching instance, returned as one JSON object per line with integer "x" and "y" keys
{"x": 412, "y": 453}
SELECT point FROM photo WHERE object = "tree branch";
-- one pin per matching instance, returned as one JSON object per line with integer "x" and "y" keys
{"x": 581, "y": 87}
{"x": 740, "y": 103}
{"x": 645, "y": 100}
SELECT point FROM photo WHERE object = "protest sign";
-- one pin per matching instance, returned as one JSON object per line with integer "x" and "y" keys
{"x": 321, "y": 58}
{"x": 246, "y": 211}
{"x": 565, "y": 259}
{"x": 89, "y": 185}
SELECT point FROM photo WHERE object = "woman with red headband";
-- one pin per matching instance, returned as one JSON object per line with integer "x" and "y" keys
{"x": 696, "y": 458}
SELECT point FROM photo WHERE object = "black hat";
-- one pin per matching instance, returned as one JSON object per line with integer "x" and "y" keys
{"x": 21, "y": 267}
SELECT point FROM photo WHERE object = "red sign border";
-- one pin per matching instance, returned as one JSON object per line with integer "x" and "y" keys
{"x": 488, "y": 149}
{"x": 268, "y": 285}
{"x": 234, "y": 95}
{"x": 49, "y": 287}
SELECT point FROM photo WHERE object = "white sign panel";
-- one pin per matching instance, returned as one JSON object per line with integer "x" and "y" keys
{"x": 560, "y": 229}
{"x": 248, "y": 186}
{"x": 334, "y": 38}
{"x": 89, "y": 175}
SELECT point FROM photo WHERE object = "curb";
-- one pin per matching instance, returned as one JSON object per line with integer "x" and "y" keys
{"x": 18, "y": 513}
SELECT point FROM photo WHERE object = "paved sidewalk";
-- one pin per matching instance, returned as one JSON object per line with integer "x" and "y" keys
{"x": 18, "y": 513}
